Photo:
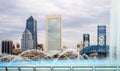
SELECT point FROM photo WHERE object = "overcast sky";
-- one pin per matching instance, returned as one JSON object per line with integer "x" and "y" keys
{"x": 78, "y": 17}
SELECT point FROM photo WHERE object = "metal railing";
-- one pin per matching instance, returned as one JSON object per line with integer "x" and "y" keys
{"x": 53, "y": 68}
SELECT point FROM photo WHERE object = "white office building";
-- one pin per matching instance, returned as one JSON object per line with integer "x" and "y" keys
{"x": 53, "y": 34}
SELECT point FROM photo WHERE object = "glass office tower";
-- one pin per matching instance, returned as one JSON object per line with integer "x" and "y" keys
{"x": 101, "y": 37}
{"x": 31, "y": 25}
{"x": 53, "y": 34}
{"x": 86, "y": 40}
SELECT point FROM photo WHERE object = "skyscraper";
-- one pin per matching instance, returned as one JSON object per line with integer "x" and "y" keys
{"x": 7, "y": 46}
{"x": 86, "y": 40}
{"x": 31, "y": 25}
{"x": 26, "y": 41}
{"x": 54, "y": 33}
{"x": 101, "y": 38}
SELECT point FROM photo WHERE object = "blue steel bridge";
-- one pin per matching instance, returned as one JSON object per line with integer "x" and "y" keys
{"x": 104, "y": 49}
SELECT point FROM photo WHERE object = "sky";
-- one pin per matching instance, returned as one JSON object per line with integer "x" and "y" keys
{"x": 78, "y": 17}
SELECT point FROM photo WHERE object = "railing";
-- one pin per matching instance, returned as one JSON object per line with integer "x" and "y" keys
{"x": 60, "y": 68}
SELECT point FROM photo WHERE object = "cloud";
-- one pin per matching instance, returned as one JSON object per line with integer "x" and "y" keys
{"x": 2, "y": 31}
{"x": 77, "y": 17}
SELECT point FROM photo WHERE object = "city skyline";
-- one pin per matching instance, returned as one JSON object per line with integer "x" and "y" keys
{"x": 74, "y": 21}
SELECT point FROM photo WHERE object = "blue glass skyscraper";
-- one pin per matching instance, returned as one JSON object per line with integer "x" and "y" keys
{"x": 101, "y": 39}
{"x": 86, "y": 40}
{"x": 31, "y": 25}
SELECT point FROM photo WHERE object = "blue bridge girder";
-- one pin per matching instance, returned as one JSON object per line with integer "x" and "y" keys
{"x": 95, "y": 49}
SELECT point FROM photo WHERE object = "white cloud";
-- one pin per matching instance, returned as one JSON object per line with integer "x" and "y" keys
{"x": 2, "y": 31}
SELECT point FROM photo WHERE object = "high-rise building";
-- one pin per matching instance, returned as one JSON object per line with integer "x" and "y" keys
{"x": 7, "y": 46}
{"x": 31, "y": 25}
{"x": 86, "y": 40}
{"x": 53, "y": 34}
{"x": 26, "y": 41}
{"x": 101, "y": 37}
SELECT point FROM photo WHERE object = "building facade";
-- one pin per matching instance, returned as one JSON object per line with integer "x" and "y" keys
{"x": 26, "y": 41}
{"x": 7, "y": 46}
{"x": 86, "y": 40}
{"x": 101, "y": 37}
{"x": 53, "y": 34}
{"x": 31, "y": 25}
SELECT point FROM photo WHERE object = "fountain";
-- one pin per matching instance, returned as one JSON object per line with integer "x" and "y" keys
{"x": 67, "y": 62}
{"x": 115, "y": 30}
{"x": 36, "y": 55}
{"x": 66, "y": 59}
